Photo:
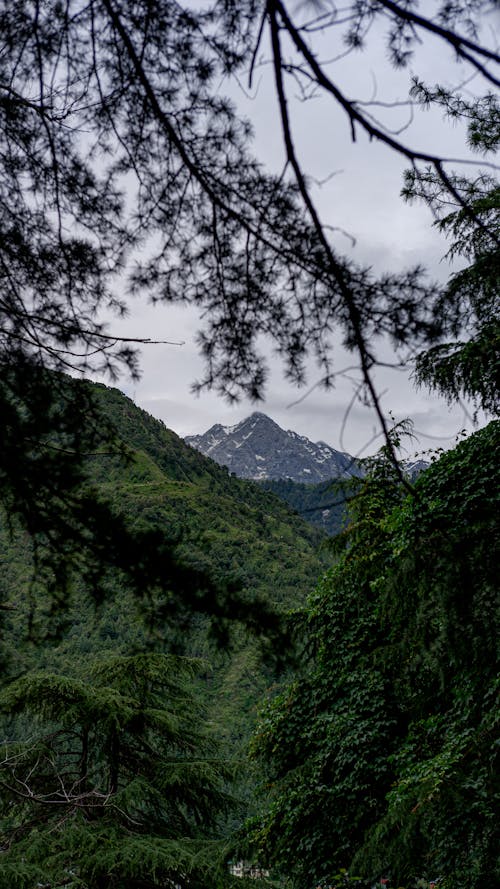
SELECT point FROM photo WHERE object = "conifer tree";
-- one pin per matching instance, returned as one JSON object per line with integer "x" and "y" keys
{"x": 468, "y": 364}
{"x": 110, "y": 779}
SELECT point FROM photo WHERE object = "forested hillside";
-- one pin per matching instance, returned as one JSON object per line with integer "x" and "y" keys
{"x": 379, "y": 753}
{"x": 70, "y": 661}
{"x": 324, "y": 505}
{"x": 224, "y": 524}
{"x": 219, "y": 525}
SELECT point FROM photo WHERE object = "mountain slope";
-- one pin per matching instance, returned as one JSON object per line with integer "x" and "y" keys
{"x": 257, "y": 448}
{"x": 226, "y": 523}
{"x": 223, "y": 525}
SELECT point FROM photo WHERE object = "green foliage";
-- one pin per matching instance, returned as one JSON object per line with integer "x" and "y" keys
{"x": 470, "y": 369}
{"x": 468, "y": 365}
{"x": 77, "y": 666}
{"x": 381, "y": 755}
{"x": 440, "y": 606}
{"x": 117, "y": 785}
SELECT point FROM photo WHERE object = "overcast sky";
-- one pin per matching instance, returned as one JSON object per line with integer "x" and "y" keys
{"x": 363, "y": 199}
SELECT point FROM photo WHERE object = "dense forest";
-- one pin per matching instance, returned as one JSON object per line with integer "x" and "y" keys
{"x": 132, "y": 749}
{"x": 199, "y": 688}
{"x": 137, "y": 726}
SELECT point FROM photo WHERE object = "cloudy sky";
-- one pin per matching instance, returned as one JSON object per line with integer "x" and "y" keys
{"x": 362, "y": 198}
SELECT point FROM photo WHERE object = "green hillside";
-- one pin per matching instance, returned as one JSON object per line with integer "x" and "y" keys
{"x": 79, "y": 665}
{"x": 227, "y": 527}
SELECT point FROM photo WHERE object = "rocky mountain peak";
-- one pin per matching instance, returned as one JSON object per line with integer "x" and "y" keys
{"x": 258, "y": 448}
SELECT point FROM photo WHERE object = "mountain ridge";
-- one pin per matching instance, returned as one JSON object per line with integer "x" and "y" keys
{"x": 258, "y": 448}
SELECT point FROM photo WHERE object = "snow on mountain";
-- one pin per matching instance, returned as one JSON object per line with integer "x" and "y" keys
{"x": 258, "y": 448}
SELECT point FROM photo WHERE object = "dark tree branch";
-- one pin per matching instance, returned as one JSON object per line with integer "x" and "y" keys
{"x": 457, "y": 41}
{"x": 366, "y": 359}
{"x": 375, "y": 132}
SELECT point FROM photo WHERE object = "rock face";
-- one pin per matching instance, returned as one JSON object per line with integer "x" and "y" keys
{"x": 258, "y": 448}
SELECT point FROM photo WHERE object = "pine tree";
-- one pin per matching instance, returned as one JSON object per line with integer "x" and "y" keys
{"x": 110, "y": 779}
{"x": 467, "y": 363}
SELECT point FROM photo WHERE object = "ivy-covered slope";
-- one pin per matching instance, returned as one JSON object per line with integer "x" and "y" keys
{"x": 382, "y": 754}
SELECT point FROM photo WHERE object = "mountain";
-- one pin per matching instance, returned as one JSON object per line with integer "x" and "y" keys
{"x": 226, "y": 526}
{"x": 257, "y": 448}
{"x": 413, "y": 468}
